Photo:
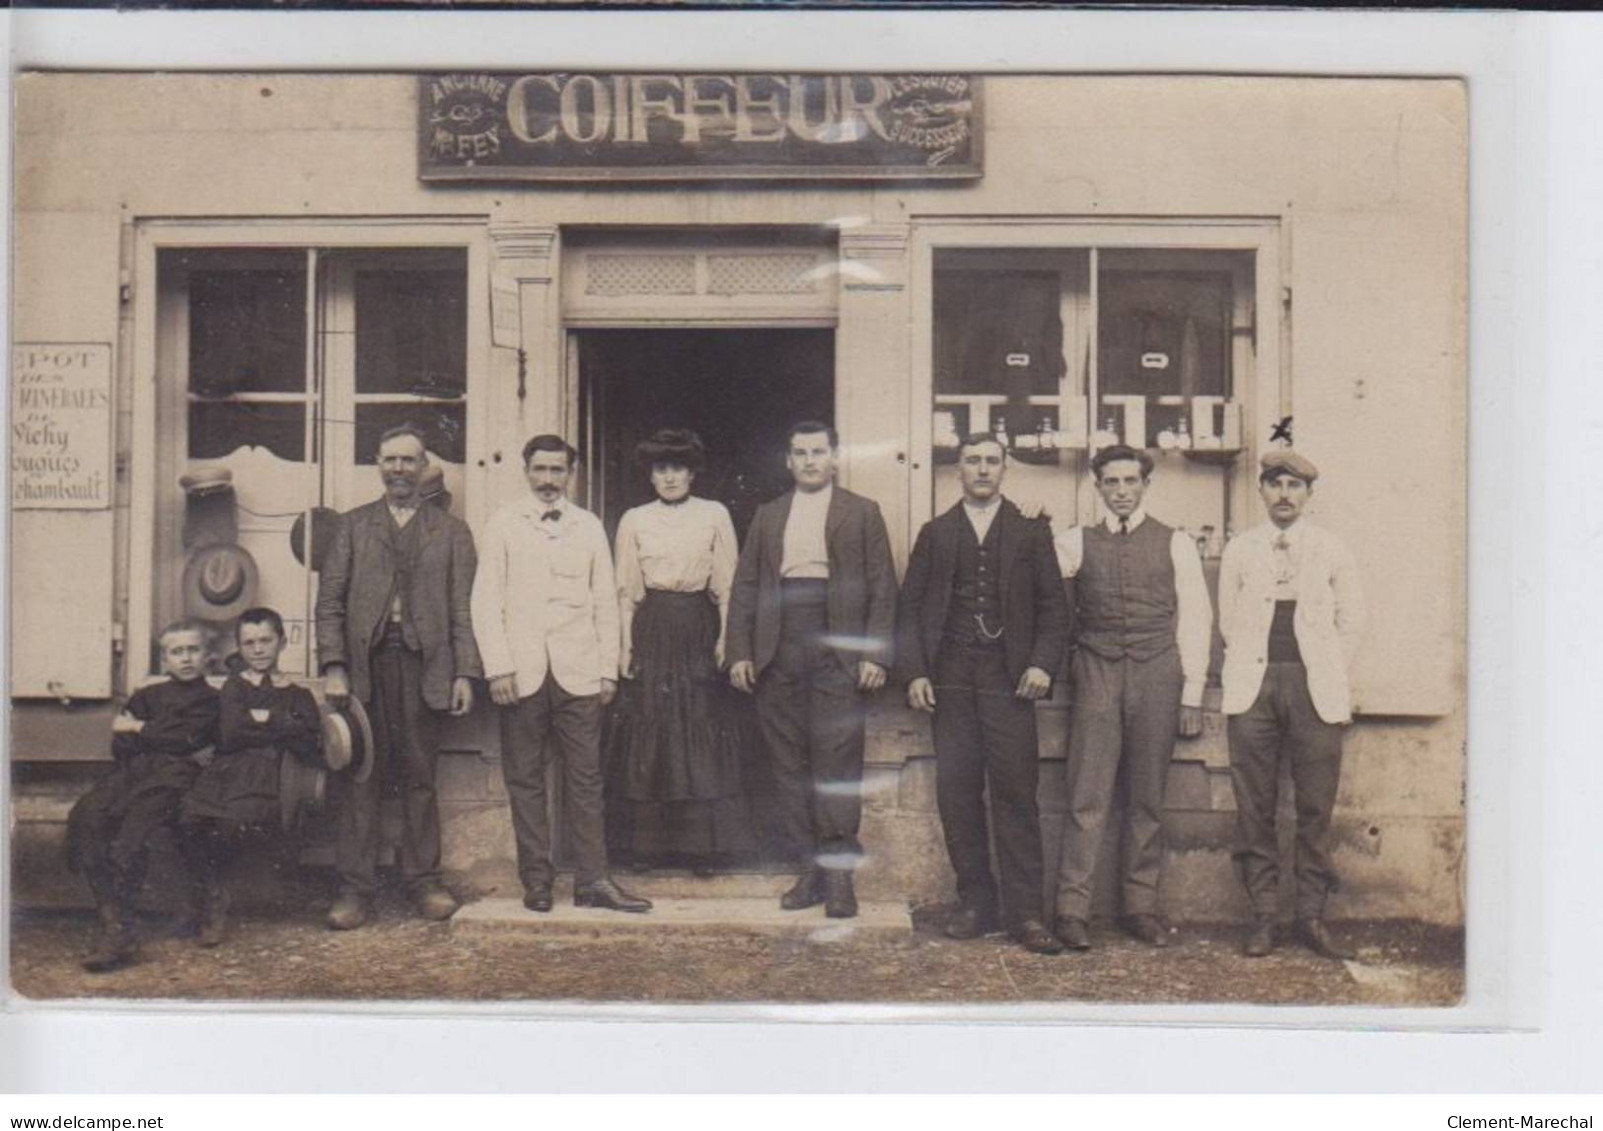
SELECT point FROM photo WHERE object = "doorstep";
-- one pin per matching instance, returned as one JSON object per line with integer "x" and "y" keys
{"x": 687, "y": 914}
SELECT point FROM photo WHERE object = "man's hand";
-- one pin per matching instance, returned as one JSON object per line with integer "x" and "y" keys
{"x": 626, "y": 667}
{"x": 921, "y": 695}
{"x": 504, "y": 691}
{"x": 204, "y": 756}
{"x": 609, "y": 691}
{"x": 743, "y": 675}
{"x": 336, "y": 684}
{"x": 1190, "y": 721}
{"x": 461, "y": 695}
{"x": 870, "y": 676}
{"x": 1030, "y": 508}
{"x": 1033, "y": 684}
{"x": 126, "y": 724}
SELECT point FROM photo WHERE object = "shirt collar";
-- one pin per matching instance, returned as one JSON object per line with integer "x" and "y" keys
{"x": 257, "y": 679}
{"x": 816, "y": 498}
{"x": 1292, "y": 533}
{"x": 534, "y": 508}
{"x": 1137, "y": 517}
{"x": 983, "y": 508}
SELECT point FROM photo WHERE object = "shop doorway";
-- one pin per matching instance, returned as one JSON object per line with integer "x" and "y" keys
{"x": 739, "y": 390}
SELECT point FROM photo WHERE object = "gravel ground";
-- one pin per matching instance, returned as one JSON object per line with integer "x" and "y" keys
{"x": 289, "y": 955}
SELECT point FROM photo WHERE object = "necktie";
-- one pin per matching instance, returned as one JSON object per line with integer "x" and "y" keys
{"x": 551, "y": 515}
{"x": 1284, "y": 570}
{"x": 1124, "y": 526}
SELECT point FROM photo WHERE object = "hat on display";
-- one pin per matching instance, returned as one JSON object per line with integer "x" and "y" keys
{"x": 206, "y": 480}
{"x": 325, "y": 523}
{"x": 1292, "y": 463}
{"x": 220, "y": 581}
{"x": 348, "y": 739}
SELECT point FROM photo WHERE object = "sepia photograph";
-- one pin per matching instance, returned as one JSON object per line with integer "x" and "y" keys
{"x": 727, "y": 538}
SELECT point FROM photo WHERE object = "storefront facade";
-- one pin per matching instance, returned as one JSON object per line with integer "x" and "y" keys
{"x": 278, "y": 267}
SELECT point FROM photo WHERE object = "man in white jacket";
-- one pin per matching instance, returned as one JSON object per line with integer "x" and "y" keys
{"x": 545, "y": 611}
{"x": 1291, "y": 609}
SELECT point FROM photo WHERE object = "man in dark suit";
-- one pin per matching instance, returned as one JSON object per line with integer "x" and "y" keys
{"x": 981, "y": 627}
{"x": 810, "y": 629}
{"x": 394, "y": 629}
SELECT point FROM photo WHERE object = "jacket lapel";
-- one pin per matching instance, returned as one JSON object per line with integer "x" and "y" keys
{"x": 1010, "y": 534}
{"x": 834, "y": 518}
{"x": 775, "y": 534}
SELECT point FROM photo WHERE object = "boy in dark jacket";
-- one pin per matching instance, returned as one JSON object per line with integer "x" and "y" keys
{"x": 160, "y": 741}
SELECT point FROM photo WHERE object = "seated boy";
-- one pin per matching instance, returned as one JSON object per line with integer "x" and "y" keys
{"x": 164, "y": 735}
{"x": 264, "y": 718}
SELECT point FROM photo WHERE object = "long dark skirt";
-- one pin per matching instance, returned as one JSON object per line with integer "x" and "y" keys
{"x": 674, "y": 741}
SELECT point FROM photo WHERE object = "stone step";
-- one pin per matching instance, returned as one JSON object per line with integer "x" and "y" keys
{"x": 734, "y": 915}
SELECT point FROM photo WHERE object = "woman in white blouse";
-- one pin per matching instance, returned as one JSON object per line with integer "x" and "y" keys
{"x": 674, "y": 740}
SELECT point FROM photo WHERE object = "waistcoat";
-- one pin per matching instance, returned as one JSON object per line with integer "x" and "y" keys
{"x": 975, "y": 589}
{"x": 1125, "y": 603}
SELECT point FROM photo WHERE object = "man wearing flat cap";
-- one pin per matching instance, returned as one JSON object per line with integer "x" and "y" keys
{"x": 1290, "y": 610}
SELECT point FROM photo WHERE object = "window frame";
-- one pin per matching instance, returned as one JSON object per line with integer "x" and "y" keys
{"x": 152, "y": 385}
{"x": 1263, "y": 391}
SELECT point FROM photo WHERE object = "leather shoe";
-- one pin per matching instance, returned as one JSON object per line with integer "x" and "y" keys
{"x": 1261, "y": 942}
{"x": 1073, "y": 933}
{"x": 807, "y": 891}
{"x": 1313, "y": 934}
{"x": 1148, "y": 929}
{"x": 435, "y": 903}
{"x": 969, "y": 923}
{"x": 349, "y": 912}
{"x": 1033, "y": 936}
{"x": 840, "y": 901}
{"x": 606, "y": 894}
{"x": 116, "y": 946}
{"x": 538, "y": 899}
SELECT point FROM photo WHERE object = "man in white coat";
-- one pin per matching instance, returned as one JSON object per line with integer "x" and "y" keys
{"x": 545, "y": 610}
{"x": 1291, "y": 609}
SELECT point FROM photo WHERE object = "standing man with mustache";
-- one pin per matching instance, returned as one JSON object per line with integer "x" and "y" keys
{"x": 1291, "y": 609}
{"x": 394, "y": 629}
{"x": 981, "y": 629}
{"x": 810, "y": 627}
{"x": 545, "y": 607}
{"x": 1142, "y": 626}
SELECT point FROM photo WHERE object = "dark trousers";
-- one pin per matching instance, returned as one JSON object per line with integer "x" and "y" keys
{"x": 109, "y": 829}
{"x": 1283, "y": 724}
{"x": 1124, "y": 711}
{"x": 406, "y": 734}
{"x": 812, "y": 718}
{"x": 552, "y": 720}
{"x": 985, "y": 735}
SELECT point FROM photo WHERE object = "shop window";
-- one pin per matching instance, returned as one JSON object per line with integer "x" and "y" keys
{"x": 1058, "y": 352}
{"x": 283, "y": 367}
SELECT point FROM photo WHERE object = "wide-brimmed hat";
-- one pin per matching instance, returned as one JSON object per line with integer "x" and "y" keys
{"x": 348, "y": 739}
{"x": 219, "y": 581}
{"x": 300, "y": 788}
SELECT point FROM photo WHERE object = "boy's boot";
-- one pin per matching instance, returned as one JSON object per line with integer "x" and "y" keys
{"x": 117, "y": 944}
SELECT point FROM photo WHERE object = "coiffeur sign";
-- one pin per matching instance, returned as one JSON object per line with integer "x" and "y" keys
{"x": 567, "y": 126}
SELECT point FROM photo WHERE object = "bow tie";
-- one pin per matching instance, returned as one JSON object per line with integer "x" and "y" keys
{"x": 551, "y": 515}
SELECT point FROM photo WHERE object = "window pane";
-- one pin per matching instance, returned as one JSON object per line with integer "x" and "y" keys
{"x": 411, "y": 325}
{"x": 443, "y": 424}
{"x": 998, "y": 332}
{"x": 219, "y": 428}
{"x": 247, "y": 331}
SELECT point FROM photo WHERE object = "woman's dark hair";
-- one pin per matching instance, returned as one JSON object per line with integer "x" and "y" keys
{"x": 261, "y": 614}
{"x": 679, "y": 447}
